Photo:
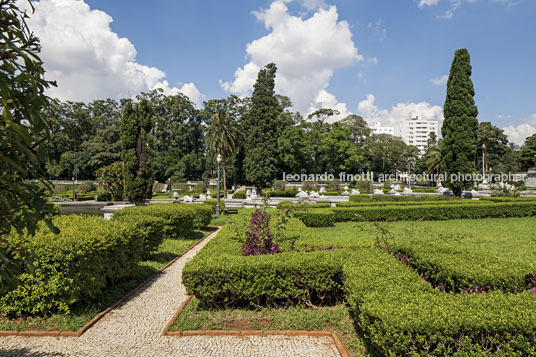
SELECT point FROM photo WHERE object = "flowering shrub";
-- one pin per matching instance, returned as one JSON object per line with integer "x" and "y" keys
{"x": 259, "y": 240}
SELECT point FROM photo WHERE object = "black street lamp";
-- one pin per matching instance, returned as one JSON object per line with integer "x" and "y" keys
{"x": 218, "y": 159}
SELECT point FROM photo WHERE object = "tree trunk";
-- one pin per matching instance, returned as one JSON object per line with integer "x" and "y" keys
{"x": 224, "y": 181}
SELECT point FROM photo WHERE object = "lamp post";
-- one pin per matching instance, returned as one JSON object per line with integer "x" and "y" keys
{"x": 483, "y": 159}
{"x": 75, "y": 177}
{"x": 218, "y": 159}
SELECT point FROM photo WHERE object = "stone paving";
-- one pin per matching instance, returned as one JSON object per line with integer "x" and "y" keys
{"x": 134, "y": 328}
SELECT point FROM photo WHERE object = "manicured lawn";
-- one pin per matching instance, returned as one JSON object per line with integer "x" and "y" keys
{"x": 297, "y": 318}
{"x": 82, "y": 314}
{"x": 511, "y": 238}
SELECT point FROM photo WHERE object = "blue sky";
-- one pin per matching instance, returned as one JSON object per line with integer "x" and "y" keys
{"x": 397, "y": 50}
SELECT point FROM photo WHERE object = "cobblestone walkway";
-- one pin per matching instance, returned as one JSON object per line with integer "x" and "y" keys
{"x": 134, "y": 328}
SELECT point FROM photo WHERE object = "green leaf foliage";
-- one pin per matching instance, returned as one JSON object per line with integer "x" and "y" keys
{"x": 460, "y": 126}
{"x": 401, "y": 314}
{"x": 263, "y": 130}
{"x": 136, "y": 125}
{"x": 76, "y": 264}
{"x": 23, "y": 135}
{"x": 220, "y": 276}
{"x": 316, "y": 217}
{"x": 435, "y": 212}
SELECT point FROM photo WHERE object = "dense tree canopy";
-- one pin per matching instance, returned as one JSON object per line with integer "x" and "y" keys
{"x": 86, "y": 137}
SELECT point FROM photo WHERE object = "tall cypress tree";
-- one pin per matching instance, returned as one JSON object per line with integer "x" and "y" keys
{"x": 136, "y": 124}
{"x": 460, "y": 125}
{"x": 263, "y": 129}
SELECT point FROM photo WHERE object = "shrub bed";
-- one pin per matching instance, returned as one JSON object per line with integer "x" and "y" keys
{"x": 75, "y": 265}
{"x": 220, "y": 276}
{"x": 401, "y": 314}
{"x": 149, "y": 229}
{"x": 384, "y": 198}
{"x": 435, "y": 212}
{"x": 178, "y": 219}
{"x": 456, "y": 268}
{"x": 316, "y": 217}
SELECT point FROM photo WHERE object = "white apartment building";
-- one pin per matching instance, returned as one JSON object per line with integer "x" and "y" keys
{"x": 378, "y": 129}
{"x": 416, "y": 130}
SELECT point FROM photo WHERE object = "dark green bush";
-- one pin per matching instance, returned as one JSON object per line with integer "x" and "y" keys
{"x": 239, "y": 195}
{"x": 105, "y": 196}
{"x": 316, "y": 217}
{"x": 87, "y": 187}
{"x": 435, "y": 212}
{"x": 214, "y": 203}
{"x": 149, "y": 229}
{"x": 279, "y": 185}
{"x": 73, "y": 266}
{"x": 400, "y": 314}
{"x": 178, "y": 218}
{"x": 202, "y": 215}
{"x": 284, "y": 204}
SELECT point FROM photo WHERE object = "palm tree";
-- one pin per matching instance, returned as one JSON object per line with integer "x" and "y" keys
{"x": 223, "y": 135}
{"x": 433, "y": 159}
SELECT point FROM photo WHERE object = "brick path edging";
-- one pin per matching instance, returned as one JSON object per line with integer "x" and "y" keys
{"x": 165, "y": 332}
{"x": 93, "y": 321}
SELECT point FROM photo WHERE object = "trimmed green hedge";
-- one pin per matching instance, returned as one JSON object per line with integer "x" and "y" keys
{"x": 149, "y": 229}
{"x": 178, "y": 218}
{"x": 316, "y": 217}
{"x": 400, "y": 314}
{"x": 240, "y": 195}
{"x": 459, "y": 269}
{"x": 286, "y": 193}
{"x": 507, "y": 199}
{"x": 435, "y": 212}
{"x": 407, "y": 203}
{"x": 287, "y": 204}
{"x": 75, "y": 265}
{"x": 203, "y": 214}
{"x": 385, "y": 198}
{"x": 214, "y": 203}
{"x": 220, "y": 276}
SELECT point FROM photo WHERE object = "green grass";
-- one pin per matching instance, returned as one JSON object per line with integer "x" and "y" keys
{"x": 221, "y": 220}
{"x": 297, "y": 318}
{"x": 83, "y": 313}
{"x": 511, "y": 238}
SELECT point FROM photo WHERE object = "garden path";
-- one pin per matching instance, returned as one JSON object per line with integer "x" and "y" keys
{"x": 134, "y": 328}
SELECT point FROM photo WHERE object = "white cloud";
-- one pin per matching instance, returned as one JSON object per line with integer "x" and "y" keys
{"x": 312, "y": 4}
{"x": 87, "y": 59}
{"x": 438, "y": 81}
{"x": 306, "y": 51}
{"x": 394, "y": 117}
{"x": 328, "y": 100}
{"x": 518, "y": 134}
{"x": 423, "y": 3}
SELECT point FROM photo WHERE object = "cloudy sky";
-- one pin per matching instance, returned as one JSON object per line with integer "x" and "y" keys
{"x": 377, "y": 58}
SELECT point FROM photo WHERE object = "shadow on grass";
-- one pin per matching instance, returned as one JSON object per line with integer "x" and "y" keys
{"x": 115, "y": 291}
